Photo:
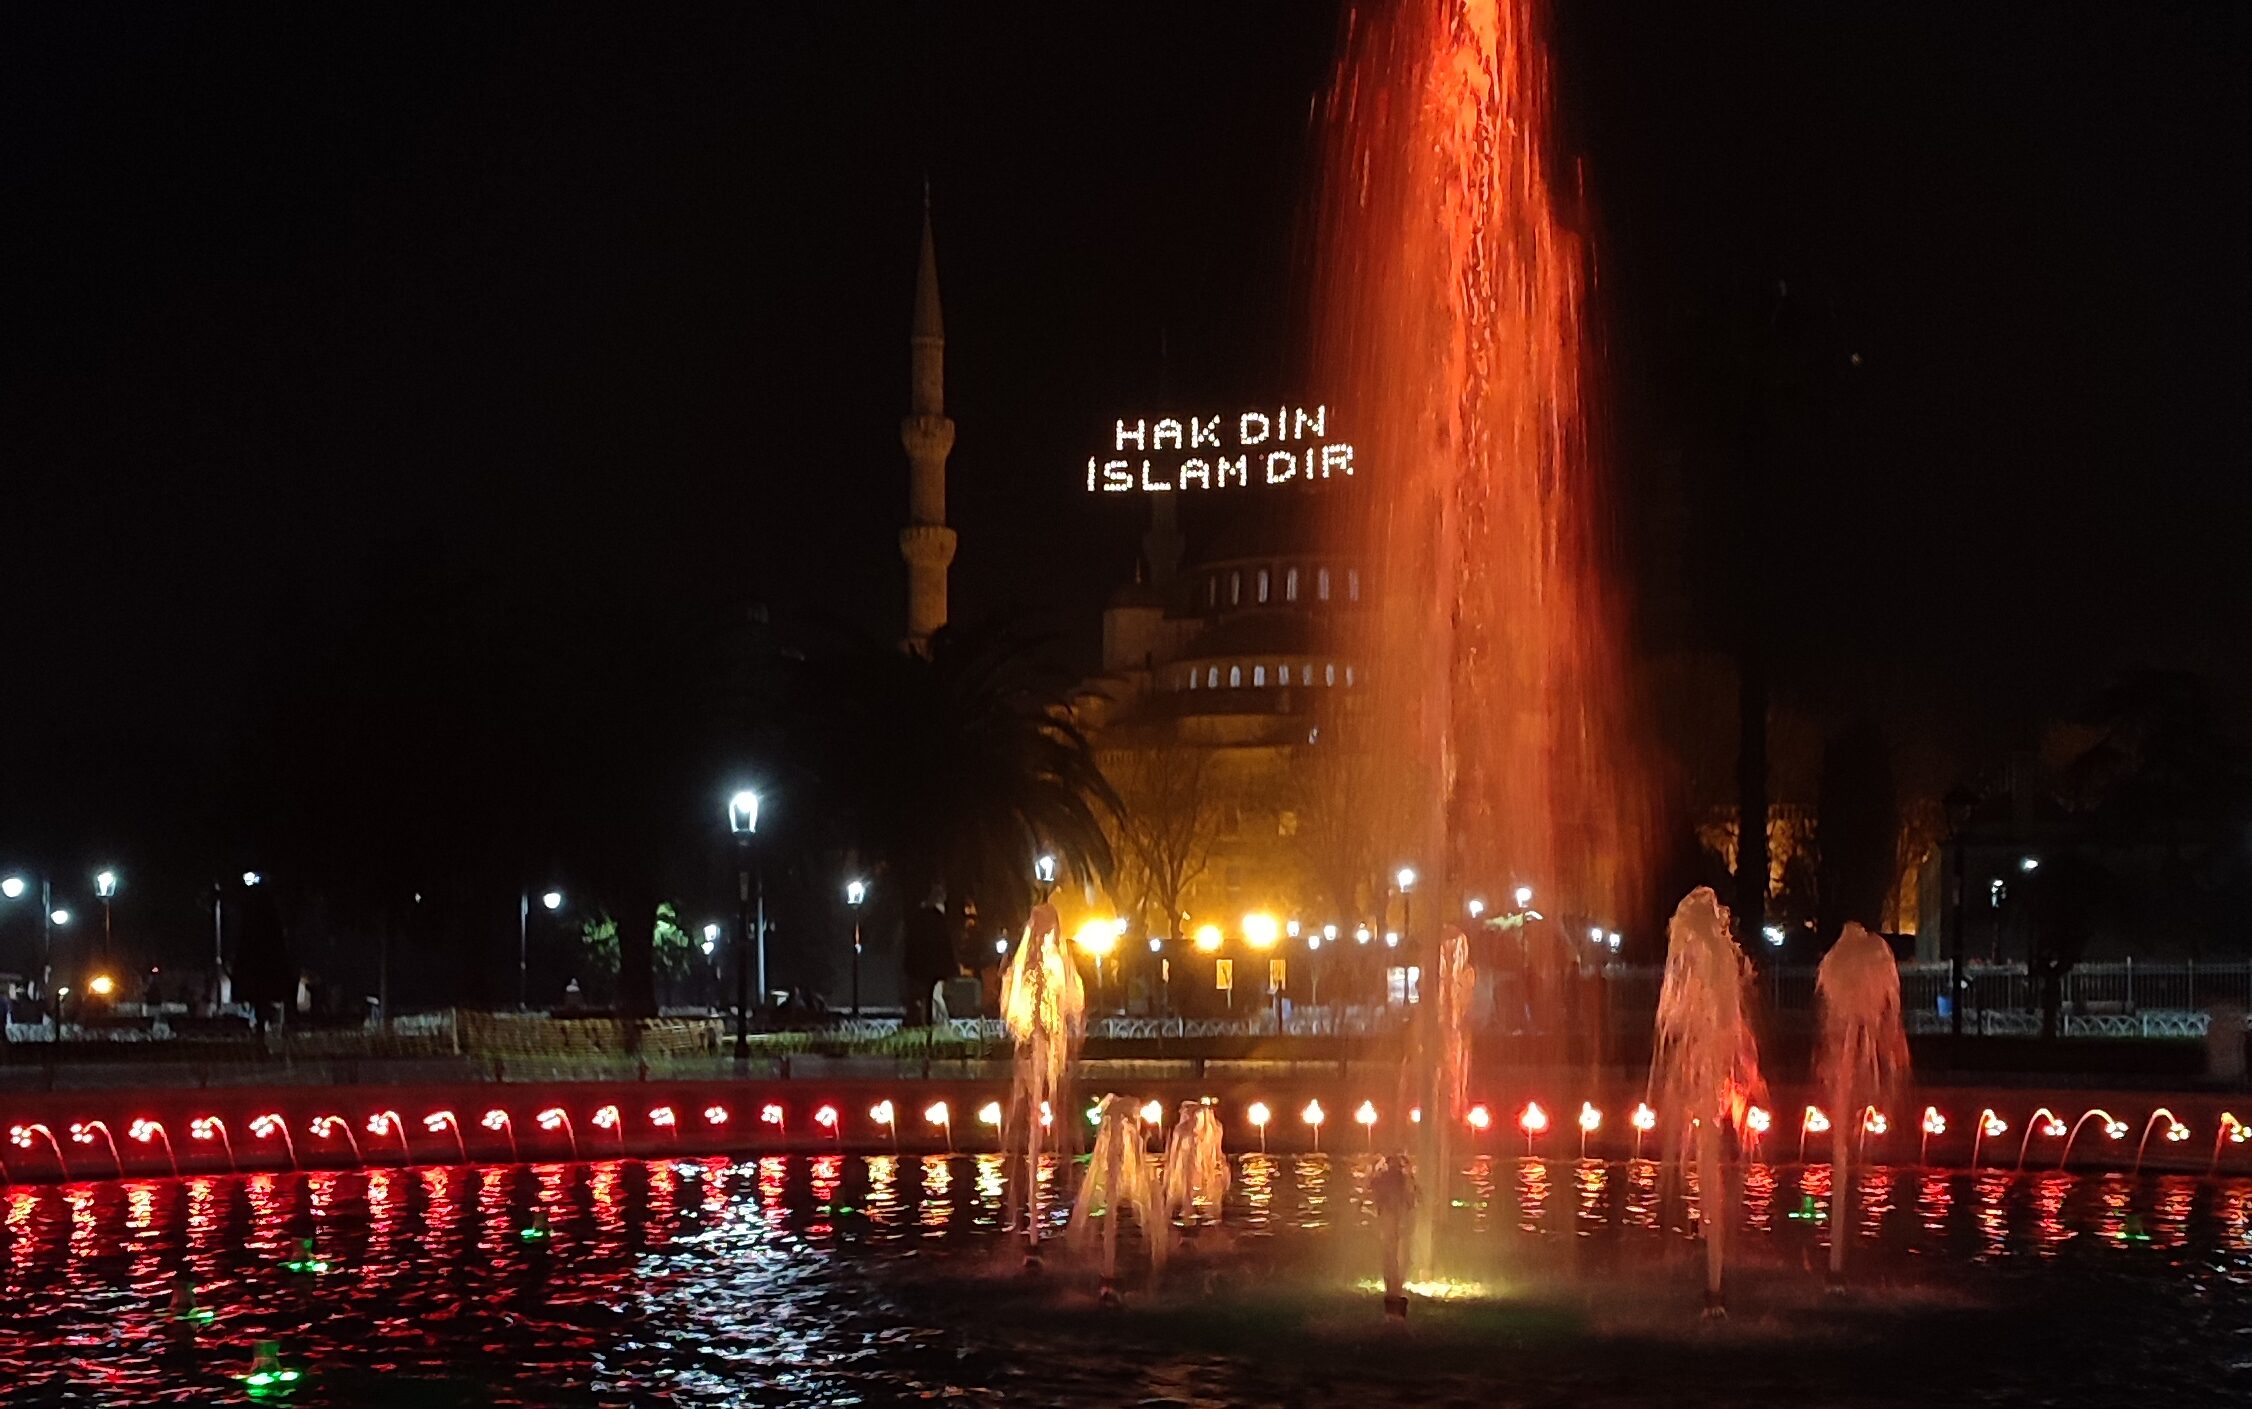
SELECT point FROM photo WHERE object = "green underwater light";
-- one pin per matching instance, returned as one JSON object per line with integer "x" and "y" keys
{"x": 1807, "y": 1211}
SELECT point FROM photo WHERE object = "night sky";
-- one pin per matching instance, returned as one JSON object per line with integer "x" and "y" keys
{"x": 346, "y": 341}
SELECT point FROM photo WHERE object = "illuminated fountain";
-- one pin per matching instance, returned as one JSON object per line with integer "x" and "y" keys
{"x": 148, "y": 1131}
{"x": 1452, "y": 332}
{"x": 1862, "y": 1058}
{"x": 1045, "y": 1007}
{"x": 1705, "y": 1065}
{"x": 1119, "y": 1179}
{"x": 1196, "y": 1165}
{"x": 2176, "y": 1133}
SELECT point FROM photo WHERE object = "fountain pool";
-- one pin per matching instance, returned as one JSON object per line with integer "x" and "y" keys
{"x": 880, "y": 1279}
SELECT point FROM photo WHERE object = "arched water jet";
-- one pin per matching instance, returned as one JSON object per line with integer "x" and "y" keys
{"x": 2176, "y": 1132}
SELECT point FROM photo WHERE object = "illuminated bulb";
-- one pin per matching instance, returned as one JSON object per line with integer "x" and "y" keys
{"x": 2238, "y": 1134}
{"x": 203, "y": 1127}
{"x": 770, "y": 1114}
{"x": 1994, "y": 1125}
{"x": 1934, "y": 1122}
{"x": 495, "y": 1120}
{"x": 1152, "y": 1112}
{"x": 19, "y": 1137}
{"x": 552, "y": 1117}
{"x": 1260, "y": 930}
{"x": 936, "y": 1113}
{"x": 437, "y": 1121}
{"x": 2053, "y": 1127}
{"x": 1391, "y": 939}
{"x": 2175, "y": 1130}
{"x": 1524, "y": 896}
{"x": 1366, "y": 1115}
{"x": 2116, "y": 1129}
{"x": 826, "y": 1117}
{"x": 990, "y": 1114}
{"x": 1361, "y": 934}
{"x": 606, "y": 1118}
{"x": 1415, "y": 1115}
{"x": 1313, "y": 1114}
{"x": 1591, "y": 1119}
{"x": 1756, "y": 1120}
{"x": 663, "y": 1118}
{"x": 265, "y": 1127}
{"x": 715, "y": 1115}
{"x": 379, "y": 1123}
{"x": 142, "y": 1130}
{"x": 1479, "y": 1117}
{"x": 1258, "y": 1114}
{"x": 1095, "y": 1114}
{"x": 1816, "y": 1122}
{"x": 1532, "y": 1120}
{"x": 881, "y": 1113}
{"x": 1047, "y": 1116}
{"x": 80, "y": 1135}
{"x": 1208, "y": 939}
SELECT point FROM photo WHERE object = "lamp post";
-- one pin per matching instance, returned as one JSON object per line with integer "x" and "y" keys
{"x": 855, "y": 892}
{"x": 105, "y": 887}
{"x": 742, "y": 824}
{"x": 1405, "y": 880}
{"x": 16, "y": 888}
{"x": 550, "y": 901}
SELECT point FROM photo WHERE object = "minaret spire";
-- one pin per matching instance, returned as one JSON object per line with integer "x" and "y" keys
{"x": 926, "y": 542}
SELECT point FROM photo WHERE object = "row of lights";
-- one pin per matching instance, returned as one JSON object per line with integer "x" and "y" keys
{"x": 1262, "y": 931}
{"x": 1533, "y": 1120}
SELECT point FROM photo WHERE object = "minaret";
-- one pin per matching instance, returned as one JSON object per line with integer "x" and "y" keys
{"x": 926, "y": 542}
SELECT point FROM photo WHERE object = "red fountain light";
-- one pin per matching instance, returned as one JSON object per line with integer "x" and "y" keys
{"x": 495, "y": 1120}
{"x": 1757, "y": 1120}
{"x": 770, "y": 1114}
{"x": 1815, "y": 1122}
{"x": 1532, "y": 1120}
{"x": 382, "y": 1123}
{"x": 1934, "y": 1122}
{"x": 437, "y": 1121}
{"x": 553, "y": 1117}
{"x": 826, "y": 1118}
{"x": 1993, "y": 1125}
{"x": 715, "y": 1115}
{"x": 606, "y": 1118}
{"x": 1478, "y": 1117}
{"x": 663, "y": 1118}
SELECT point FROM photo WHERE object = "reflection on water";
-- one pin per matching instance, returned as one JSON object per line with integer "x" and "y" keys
{"x": 766, "y": 1282}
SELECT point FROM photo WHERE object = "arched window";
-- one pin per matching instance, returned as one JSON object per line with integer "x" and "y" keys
{"x": 1235, "y": 677}
{"x": 1192, "y": 679}
{"x": 1290, "y": 585}
{"x": 1352, "y": 588}
{"x": 1212, "y": 678}
{"x": 1348, "y": 675}
{"x": 1258, "y": 677}
{"x": 1306, "y": 674}
{"x": 1262, "y": 585}
{"x": 1235, "y": 588}
{"x": 1212, "y": 590}
{"x": 1321, "y": 584}
{"x": 1329, "y": 673}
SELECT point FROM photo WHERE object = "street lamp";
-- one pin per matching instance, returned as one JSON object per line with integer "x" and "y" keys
{"x": 550, "y": 901}
{"x": 856, "y": 891}
{"x": 105, "y": 887}
{"x": 1524, "y": 896}
{"x": 711, "y": 939}
{"x": 742, "y": 823}
{"x": 1477, "y": 907}
{"x": 1406, "y": 880}
{"x": 16, "y": 888}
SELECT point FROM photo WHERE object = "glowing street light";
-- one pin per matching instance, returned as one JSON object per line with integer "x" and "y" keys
{"x": 1208, "y": 939}
{"x": 711, "y": 939}
{"x": 105, "y": 883}
{"x": 550, "y": 901}
{"x": 1044, "y": 870}
{"x": 1524, "y": 896}
{"x": 1314, "y": 1115}
{"x": 990, "y": 1114}
{"x": 1476, "y": 907}
{"x": 1260, "y": 930}
{"x": 14, "y": 887}
{"x": 1405, "y": 878}
{"x": 251, "y": 878}
{"x": 1478, "y": 1118}
{"x": 742, "y": 824}
{"x": 1259, "y": 1115}
{"x": 101, "y": 985}
{"x": 856, "y": 892}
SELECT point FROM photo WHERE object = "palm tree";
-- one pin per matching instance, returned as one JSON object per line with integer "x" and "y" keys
{"x": 953, "y": 771}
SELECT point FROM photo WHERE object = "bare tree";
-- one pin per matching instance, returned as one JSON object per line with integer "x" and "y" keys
{"x": 1168, "y": 822}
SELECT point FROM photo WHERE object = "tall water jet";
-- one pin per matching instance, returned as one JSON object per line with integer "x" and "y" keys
{"x": 1704, "y": 1067}
{"x": 1453, "y": 335}
{"x": 1196, "y": 1165}
{"x": 1119, "y": 1179}
{"x": 1862, "y": 1058}
{"x": 1045, "y": 1006}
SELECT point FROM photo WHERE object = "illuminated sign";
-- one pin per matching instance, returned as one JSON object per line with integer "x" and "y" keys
{"x": 1288, "y": 445}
